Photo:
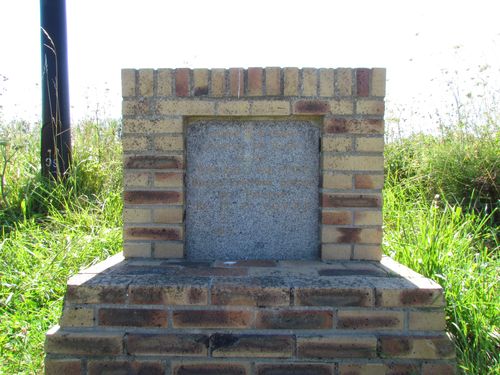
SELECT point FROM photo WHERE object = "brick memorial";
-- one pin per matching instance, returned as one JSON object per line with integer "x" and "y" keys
{"x": 252, "y": 236}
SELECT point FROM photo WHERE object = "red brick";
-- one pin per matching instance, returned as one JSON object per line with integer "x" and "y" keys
{"x": 293, "y": 369}
{"x": 333, "y": 125}
{"x": 421, "y": 347}
{"x": 123, "y": 367}
{"x": 336, "y": 218}
{"x": 153, "y": 233}
{"x": 363, "y": 82}
{"x": 182, "y": 82}
{"x": 77, "y": 343}
{"x": 255, "y": 76}
{"x": 169, "y": 179}
{"x": 333, "y": 200}
{"x": 96, "y": 294}
{"x": 211, "y": 319}
{"x": 62, "y": 366}
{"x": 237, "y": 82}
{"x": 210, "y": 368}
{"x": 294, "y": 319}
{"x": 132, "y": 317}
{"x": 438, "y": 369}
{"x": 248, "y": 295}
{"x": 153, "y": 162}
{"x": 265, "y": 346}
{"x": 334, "y": 297}
{"x": 152, "y": 197}
{"x": 369, "y": 320}
{"x": 167, "y": 344}
{"x": 337, "y": 347}
{"x": 311, "y": 107}
{"x": 169, "y": 294}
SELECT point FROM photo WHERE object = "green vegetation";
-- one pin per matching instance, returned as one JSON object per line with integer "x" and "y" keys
{"x": 440, "y": 219}
{"x": 441, "y": 211}
{"x": 50, "y": 231}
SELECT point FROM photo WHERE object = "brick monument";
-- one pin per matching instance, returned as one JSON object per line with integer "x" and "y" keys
{"x": 252, "y": 236}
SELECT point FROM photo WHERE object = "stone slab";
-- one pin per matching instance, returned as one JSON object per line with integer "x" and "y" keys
{"x": 252, "y": 190}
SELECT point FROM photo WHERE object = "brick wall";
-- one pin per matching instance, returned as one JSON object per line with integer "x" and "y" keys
{"x": 348, "y": 102}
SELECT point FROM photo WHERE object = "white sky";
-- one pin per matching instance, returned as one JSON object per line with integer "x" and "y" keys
{"x": 415, "y": 40}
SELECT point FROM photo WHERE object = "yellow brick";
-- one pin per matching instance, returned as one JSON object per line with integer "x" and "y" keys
{"x": 355, "y": 163}
{"x": 366, "y": 181}
{"x": 167, "y": 249}
{"x": 200, "y": 84}
{"x": 170, "y": 215}
{"x": 336, "y": 144}
{"x": 367, "y": 252}
{"x": 128, "y": 82}
{"x": 186, "y": 107}
{"x": 309, "y": 82}
{"x": 136, "y": 215}
{"x": 291, "y": 81}
{"x": 368, "y": 217}
{"x": 146, "y": 86}
{"x": 168, "y": 143}
{"x": 236, "y": 108}
{"x": 273, "y": 81}
{"x": 378, "y": 82}
{"x": 370, "y": 236}
{"x": 172, "y": 125}
{"x": 218, "y": 86}
{"x": 330, "y": 234}
{"x": 326, "y": 82}
{"x": 337, "y": 181}
{"x": 169, "y": 179}
{"x": 135, "y": 107}
{"x": 137, "y": 249}
{"x": 370, "y": 144}
{"x": 427, "y": 321}
{"x": 139, "y": 179}
{"x": 343, "y": 79}
{"x": 137, "y": 143}
{"x": 165, "y": 84}
{"x": 335, "y": 252}
{"x": 77, "y": 317}
{"x": 270, "y": 107}
{"x": 370, "y": 107}
{"x": 341, "y": 107}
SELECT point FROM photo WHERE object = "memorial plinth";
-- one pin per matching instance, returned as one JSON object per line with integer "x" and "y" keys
{"x": 252, "y": 236}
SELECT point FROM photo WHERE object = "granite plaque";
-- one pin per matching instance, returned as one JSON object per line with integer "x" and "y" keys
{"x": 252, "y": 190}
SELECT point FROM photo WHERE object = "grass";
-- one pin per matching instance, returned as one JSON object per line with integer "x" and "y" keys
{"x": 51, "y": 231}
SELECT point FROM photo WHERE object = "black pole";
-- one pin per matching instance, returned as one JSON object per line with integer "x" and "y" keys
{"x": 56, "y": 134}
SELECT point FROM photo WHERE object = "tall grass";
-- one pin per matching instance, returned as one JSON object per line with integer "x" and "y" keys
{"x": 441, "y": 210}
{"x": 50, "y": 231}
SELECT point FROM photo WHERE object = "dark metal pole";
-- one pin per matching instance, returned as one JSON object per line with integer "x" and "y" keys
{"x": 56, "y": 134}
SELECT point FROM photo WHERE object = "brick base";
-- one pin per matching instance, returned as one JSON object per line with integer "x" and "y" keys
{"x": 250, "y": 317}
